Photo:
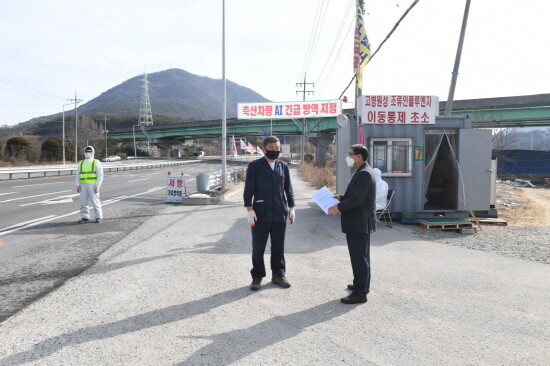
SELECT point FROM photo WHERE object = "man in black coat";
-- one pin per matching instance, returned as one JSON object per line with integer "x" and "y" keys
{"x": 269, "y": 200}
{"x": 358, "y": 208}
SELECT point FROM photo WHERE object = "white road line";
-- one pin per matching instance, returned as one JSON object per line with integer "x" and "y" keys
{"x": 26, "y": 222}
{"x": 37, "y": 195}
{"x": 3, "y": 194}
{"x": 137, "y": 180}
{"x": 64, "y": 199}
{"x": 32, "y": 185}
{"x": 14, "y": 228}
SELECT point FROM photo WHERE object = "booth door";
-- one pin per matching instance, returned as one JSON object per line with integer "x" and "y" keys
{"x": 474, "y": 158}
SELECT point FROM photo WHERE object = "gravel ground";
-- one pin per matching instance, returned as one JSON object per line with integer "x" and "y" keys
{"x": 531, "y": 243}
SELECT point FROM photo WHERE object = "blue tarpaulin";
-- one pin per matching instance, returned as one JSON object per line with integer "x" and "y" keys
{"x": 523, "y": 162}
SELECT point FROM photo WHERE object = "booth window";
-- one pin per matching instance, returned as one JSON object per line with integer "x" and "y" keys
{"x": 393, "y": 156}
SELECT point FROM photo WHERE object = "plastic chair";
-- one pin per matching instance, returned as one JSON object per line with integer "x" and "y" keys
{"x": 386, "y": 211}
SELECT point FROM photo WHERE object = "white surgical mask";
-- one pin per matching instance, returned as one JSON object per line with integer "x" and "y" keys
{"x": 350, "y": 161}
{"x": 88, "y": 155}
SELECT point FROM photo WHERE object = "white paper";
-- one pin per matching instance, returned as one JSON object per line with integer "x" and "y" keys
{"x": 324, "y": 199}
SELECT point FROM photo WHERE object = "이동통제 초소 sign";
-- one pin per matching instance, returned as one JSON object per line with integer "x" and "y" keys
{"x": 398, "y": 109}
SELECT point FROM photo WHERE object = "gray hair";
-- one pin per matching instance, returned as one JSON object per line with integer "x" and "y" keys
{"x": 270, "y": 140}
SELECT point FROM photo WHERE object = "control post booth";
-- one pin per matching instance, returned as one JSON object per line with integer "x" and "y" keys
{"x": 437, "y": 166}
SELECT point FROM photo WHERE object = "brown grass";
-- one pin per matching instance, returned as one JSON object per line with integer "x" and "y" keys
{"x": 319, "y": 176}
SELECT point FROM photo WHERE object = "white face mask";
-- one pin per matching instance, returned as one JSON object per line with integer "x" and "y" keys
{"x": 349, "y": 161}
{"x": 88, "y": 155}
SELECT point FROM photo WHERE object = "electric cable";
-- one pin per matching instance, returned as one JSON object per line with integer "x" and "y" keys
{"x": 342, "y": 24}
{"x": 385, "y": 39}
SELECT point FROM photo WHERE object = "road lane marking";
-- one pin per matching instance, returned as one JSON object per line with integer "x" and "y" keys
{"x": 53, "y": 201}
{"x": 3, "y": 194}
{"x": 24, "y": 223}
{"x": 32, "y": 185}
{"x": 37, "y": 195}
{"x": 137, "y": 180}
{"x": 28, "y": 224}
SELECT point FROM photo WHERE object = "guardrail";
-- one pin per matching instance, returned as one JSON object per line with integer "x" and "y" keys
{"x": 27, "y": 173}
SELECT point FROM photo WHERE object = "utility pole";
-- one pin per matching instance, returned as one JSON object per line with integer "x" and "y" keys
{"x": 224, "y": 107}
{"x": 449, "y": 103}
{"x": 309, "y": 92}
{"x": 76, "y": 101}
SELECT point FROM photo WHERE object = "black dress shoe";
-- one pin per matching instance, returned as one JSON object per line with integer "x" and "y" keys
{"x": 351, "y": 287}
{"x": 354, "y": 299}
{"x": 256, "y": 284}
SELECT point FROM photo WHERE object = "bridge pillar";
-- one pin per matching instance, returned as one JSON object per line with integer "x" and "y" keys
{"x": 322, "y": 142}
{"x": 166, "y": 147}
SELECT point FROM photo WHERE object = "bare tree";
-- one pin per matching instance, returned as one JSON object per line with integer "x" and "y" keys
{"x": 91, "y": 132}
{"x": 503, "y": 139}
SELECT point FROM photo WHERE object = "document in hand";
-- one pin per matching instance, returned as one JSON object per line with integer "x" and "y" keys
{"x": 324, "y": 199}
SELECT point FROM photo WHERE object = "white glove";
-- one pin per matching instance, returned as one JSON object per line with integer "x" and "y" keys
{"x": 292, "y": 215}
{"x": 252, "y": 218}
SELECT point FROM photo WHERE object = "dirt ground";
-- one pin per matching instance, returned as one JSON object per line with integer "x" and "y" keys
{"x": 523, "y": 207}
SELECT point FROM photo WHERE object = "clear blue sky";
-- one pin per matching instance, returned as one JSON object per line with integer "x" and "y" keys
{"x": 49, "y": 49}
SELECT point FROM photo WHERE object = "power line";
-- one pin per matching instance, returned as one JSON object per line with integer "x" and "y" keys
{"x": 336, "y": 39}
{"x": 339, "y": 51}
{"x": 312, "y": 36}
{"x": 385, "y": 39}
{"x": 316, "y": 41}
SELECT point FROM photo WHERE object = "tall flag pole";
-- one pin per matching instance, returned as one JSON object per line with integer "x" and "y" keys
{"x": 362, "y": 51}
{"x": 361, "y": 56}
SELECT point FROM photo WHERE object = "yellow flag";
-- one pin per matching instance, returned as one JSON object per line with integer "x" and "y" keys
{"x": 362, "y": 52}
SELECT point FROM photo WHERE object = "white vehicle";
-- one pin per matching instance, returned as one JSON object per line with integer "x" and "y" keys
{"x": 111, "y": 158}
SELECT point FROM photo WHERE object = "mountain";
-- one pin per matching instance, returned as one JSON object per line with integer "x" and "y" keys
{"x": 175, "y": 93}
{"x": 175, "y": 96}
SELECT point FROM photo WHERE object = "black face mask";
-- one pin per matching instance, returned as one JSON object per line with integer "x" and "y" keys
{"x": 272, "y": 154}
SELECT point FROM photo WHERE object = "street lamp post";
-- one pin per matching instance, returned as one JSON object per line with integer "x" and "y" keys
{"x": 105, "y": 131}
{"x": 63, "y": 141}
{"x": 75, "y": 101}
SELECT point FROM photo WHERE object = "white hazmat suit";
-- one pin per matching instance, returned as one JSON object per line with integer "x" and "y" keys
{"x": 90, "y": 191}
{"x": 381, "y": 190}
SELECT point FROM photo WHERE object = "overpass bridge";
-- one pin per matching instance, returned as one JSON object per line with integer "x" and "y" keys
{"x": 518, "y": 111}
{"x": 212, "y": 129}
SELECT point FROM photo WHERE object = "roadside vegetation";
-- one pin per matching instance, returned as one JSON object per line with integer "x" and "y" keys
{"x": 319, "y": 176}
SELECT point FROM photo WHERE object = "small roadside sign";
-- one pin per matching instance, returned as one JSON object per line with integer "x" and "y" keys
{"x": 175, "y": 188}
{"x": 262, "y": 133}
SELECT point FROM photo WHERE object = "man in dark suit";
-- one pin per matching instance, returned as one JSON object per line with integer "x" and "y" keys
{"x": 269, "y": 200}
{"x": 358, "y": 207}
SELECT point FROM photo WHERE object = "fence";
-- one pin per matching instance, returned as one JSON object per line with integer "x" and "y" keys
{"x": 26, "y": 173}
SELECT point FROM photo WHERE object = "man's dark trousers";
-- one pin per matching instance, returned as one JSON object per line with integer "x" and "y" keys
{"x": 359, "y": 253}
{"x": 260, "y": 234}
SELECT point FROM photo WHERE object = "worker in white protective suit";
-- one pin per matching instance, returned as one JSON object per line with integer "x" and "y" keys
{"x": 381, "y": 190}
{"x": 89, "y": 177}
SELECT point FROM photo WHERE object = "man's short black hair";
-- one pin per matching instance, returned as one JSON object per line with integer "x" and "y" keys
{"x": 270, "y": 140}
{"x": 362, "y": 150}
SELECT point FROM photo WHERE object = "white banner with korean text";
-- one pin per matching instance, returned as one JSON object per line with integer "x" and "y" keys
{"x": 398, "y": 109}
{"x": 175, "y": 186}
{"x": 309, "y": 109}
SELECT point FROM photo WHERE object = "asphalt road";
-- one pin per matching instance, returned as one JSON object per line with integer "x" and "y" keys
{"x": 41, "y": 243}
